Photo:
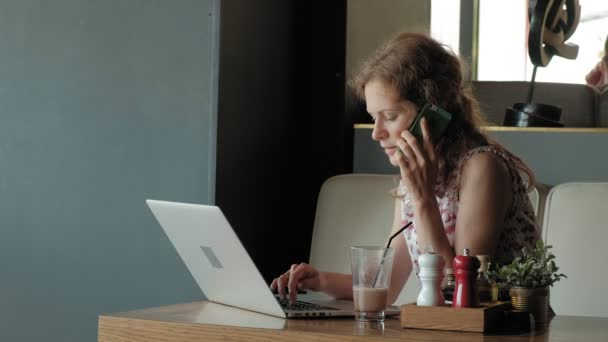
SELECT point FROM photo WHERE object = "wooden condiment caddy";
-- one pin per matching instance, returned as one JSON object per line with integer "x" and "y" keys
{"x": 486, "y": 318}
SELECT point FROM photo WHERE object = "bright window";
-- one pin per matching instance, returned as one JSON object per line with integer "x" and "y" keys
{"x": 502, "y": 54}
{"x": 502, "y": 45}
{"x": 445, "y": 22}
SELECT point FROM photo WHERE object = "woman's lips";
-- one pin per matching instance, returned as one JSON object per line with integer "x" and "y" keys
{"x": 390, "y": 150}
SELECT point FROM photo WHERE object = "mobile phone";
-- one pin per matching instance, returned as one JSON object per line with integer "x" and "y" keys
{"x": 437, "y": 120}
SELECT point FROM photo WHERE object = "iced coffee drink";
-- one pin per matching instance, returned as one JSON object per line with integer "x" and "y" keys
{"x": 371, "y": 267}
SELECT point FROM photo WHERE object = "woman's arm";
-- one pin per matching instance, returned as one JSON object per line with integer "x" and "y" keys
{"x": 418, "y": 164}
{"x": 306, "y": 277}
{"x": 430, "y": 229}
{"x": 337, "y": 285}
{"x": 402, "y": 263}
{"x": 485, "y": 196}
{"x": 340, "y": 285}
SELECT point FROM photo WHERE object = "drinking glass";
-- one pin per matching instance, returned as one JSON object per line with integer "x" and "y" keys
{"x": 371, "y": 268}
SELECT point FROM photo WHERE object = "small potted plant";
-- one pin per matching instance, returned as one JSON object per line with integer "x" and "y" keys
{"x": 529, "y": 278}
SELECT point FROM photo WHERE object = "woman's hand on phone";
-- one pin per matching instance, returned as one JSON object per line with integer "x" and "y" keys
{"x": 299, "y": 277}
{"x": 418, "y": 164}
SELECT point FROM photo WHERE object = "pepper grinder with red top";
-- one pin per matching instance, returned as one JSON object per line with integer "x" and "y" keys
{"x": 465, "y": 271}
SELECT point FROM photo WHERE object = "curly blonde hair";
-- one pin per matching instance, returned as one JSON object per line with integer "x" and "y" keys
{"x": 424, "y": 71}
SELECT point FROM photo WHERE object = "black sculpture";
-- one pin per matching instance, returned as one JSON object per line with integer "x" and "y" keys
{"x": 552, "y": 23}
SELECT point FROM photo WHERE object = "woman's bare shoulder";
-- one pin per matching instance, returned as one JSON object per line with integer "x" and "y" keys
{"x": 485, "y": 165}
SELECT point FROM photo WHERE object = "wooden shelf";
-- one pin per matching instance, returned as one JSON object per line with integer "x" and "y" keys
{"x": 547, "y": 129}
{"x": 525, "y": 129}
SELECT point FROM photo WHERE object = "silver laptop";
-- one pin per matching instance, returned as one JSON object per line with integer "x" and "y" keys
{"x": 224, "y": 271}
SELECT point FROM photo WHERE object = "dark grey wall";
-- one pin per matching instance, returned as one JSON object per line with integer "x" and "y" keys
{"x": 280, "y": 122}
{"x": 256, "y": 105}
{"x": 102, "y": 105}
{"x": 555, "y": 157}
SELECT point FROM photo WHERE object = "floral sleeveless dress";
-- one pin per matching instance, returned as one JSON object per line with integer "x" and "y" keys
{"x": 519, "y": 227}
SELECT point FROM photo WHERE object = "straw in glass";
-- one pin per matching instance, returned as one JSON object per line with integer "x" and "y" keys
{"x": 386, "y": 250}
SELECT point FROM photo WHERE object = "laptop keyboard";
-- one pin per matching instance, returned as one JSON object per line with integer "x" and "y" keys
{"x": 301, "y": 306}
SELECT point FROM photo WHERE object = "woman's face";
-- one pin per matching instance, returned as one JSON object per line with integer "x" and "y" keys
{"x": 391, "y": 114}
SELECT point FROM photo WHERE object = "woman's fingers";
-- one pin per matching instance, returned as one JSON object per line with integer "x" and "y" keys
{"x": 282, "y": 284}
{"x": 406, "y": 150}
{"x": 293, "y": 277}
{"x": 414, "y": 146}
{"x": 404, "y": 155}
{"x": 273, "y": 284}
{"x": 297, "y": 274}
{"x": 289, "y": 282}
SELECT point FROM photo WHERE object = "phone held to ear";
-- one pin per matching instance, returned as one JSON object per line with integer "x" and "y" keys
{"x": 437, "y": 120}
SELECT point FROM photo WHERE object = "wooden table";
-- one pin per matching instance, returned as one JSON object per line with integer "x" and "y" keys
{"x": 207, "y": 321}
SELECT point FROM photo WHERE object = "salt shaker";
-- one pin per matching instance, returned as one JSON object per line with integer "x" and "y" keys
{"x": 465, "y": 270}
{"x": 431, "y": 276}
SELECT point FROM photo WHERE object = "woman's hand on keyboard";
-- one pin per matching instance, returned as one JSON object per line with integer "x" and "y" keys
{"x": 299, "y": 277}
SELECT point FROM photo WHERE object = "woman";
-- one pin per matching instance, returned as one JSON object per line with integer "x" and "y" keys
{"x": 462, "y": 191}
{"x": 598, "y": 76}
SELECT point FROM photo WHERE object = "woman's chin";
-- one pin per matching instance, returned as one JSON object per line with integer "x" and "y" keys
{"x": 392, "y": 161}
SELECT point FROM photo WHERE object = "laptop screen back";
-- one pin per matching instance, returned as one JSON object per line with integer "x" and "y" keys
{"x": 214, "y": 255}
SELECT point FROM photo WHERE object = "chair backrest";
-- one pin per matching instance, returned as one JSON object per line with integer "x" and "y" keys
{"x": 538, "y": 196}
{"x": 354, "y": 210}
{"x": 574, "y": 225}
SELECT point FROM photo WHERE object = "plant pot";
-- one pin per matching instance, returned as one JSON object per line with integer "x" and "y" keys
{"x": 534, "y": 301}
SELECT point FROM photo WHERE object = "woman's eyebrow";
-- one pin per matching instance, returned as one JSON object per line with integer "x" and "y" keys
{"x": 390, "y": 110}
{"x": 385, "y": 110}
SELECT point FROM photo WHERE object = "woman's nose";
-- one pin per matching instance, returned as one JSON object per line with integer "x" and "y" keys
{"x": 379, "y": 131}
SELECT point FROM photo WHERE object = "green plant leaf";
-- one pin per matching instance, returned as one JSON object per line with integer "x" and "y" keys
{"x": 535, "y": 268}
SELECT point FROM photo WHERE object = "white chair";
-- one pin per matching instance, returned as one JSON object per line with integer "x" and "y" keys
{"x": 354, "y": 209}
{"x": 538, "y": 196}
{"x": 574, "y": 224}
